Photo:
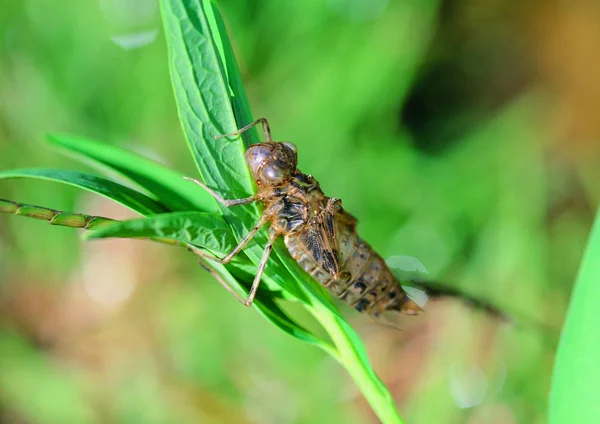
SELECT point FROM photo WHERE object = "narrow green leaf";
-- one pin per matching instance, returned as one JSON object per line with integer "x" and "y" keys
{"x": 239, "y": 100}
{"x": 126, "y": 196}
{"x": 576, "y": 376}
{"x": 206, "y": 230}
{"x": 210, "y": 97}
{"x": 203, "y": 94}
{"x": 271, "y": 311}
{"x": 164, "y": 183}
{"x": 268, "y": 308}
{"x": 212, "y": 232}
{"x": 203, "y": 100}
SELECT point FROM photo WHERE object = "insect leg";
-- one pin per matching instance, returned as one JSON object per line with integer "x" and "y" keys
{"x": 261, "y": 268}
{"x": 262, "y": 121}
{"x": 237, "y": 249}
{"x": 221, "y": 281}
{"x": 225, "y": 202}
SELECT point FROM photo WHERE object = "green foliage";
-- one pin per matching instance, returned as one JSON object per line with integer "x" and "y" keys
{"x": 496, "y": 209}
{"x": 200, "y": 65}
{"x": 577, "y": 367}
{"x": 211, "y": 231}
{"x": 163, "y": 183}
{"x": 126, "y": 196}
{"x": 211, "y": 102}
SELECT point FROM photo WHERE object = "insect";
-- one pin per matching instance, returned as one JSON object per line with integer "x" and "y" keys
{"x": 319, "y": 234}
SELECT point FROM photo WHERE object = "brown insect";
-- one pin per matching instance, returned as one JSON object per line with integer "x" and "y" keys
{"x": 319, "y": 234}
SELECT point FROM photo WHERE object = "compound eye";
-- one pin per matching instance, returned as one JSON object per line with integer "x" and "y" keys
{"x": 273, "y": 174}
{"x": 291, "y": 146}
{"x": 256, "y": 155}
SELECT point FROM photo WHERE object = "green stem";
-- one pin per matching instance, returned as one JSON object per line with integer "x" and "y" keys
{"x": 353, "y": 359}
{"x": 53, "y": 216}
{"x": 68, "y": 219}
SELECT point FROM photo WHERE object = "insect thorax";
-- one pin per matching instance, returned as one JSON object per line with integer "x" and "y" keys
{"x": 290, "y": 214}
{"x": 322, "y": 238}
{"x": 291, "y": 206}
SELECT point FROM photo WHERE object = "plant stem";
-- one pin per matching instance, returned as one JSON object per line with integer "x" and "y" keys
{"x": 69, "y": 219}
{"x": 53, "y": 216}
{"x": 371, "y": 387}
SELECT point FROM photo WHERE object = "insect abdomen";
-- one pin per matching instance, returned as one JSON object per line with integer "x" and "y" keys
{"x": 364, "y": 282}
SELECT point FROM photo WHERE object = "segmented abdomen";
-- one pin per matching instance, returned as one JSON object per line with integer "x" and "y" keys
{"x": 364, "y": 282}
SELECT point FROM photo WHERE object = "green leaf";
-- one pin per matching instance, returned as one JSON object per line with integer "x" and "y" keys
{"x": 203, "y": 96}
{"x": 164, "y": 183}
{"x": 576, "y": 376}
{"x": 126, "y": 196}
{"x": 204, "y": 101}
{"x": 271, "y": 311}
{"x": 206, "y": 230}
{"x": 211, "y": 102}
{"x": 268, "y": 308}
{"x": 212, "y": 232}
{"x": 239, "y": 101}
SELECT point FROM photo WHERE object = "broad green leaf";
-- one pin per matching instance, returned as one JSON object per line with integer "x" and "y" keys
{"x": 164, "y": 183}
{"x": 205, "y": 98}
{"x": 126, "y": 196}
{"x": 210, "y": 231}
{"x": 576, "y": 376}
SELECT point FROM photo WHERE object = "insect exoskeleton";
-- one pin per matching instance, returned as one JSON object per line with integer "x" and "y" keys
{"x": 320, "y": 235}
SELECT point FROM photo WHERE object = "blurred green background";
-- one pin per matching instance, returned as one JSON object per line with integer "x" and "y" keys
{"x": 462, "y": 133}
